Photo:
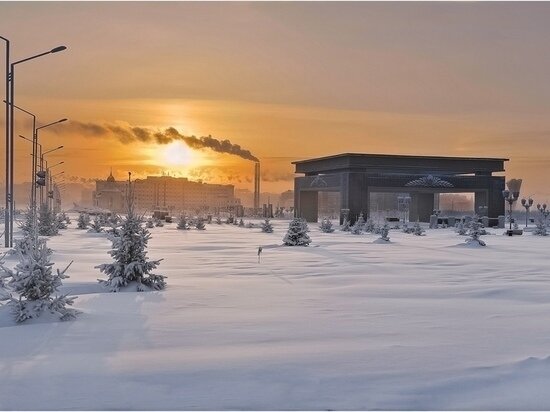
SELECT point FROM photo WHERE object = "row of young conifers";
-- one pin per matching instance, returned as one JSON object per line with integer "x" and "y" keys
{"x": 31, "y": 287}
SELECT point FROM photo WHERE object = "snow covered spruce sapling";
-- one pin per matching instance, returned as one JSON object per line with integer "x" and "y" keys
{"x": 474, "y": 232}
{"x": 61, "y": 221}
{"x": 384, "y": 232}
{"x": 241, "y": 223}
{"x": 150, "y": 223}
{"x": 297, "y": 233}
{"x": 369, "y": 226}
{"x": 200, "y": 224}
{"x": 345, "y": 226}
{"x": 360, "y": 221}
{"x": 83, "y": 221}
{"x": 47, "y": 222}
{"x": 541, "y": 228}
{"x": 129, "y": 252}
{"x": 96, "y": 226}
{"x": 357, "y": 228}
{"x": 182, "y": 223}
{"x": 34, "y": 284}
{"x": 417, "y": 229}
{"x": 267, "y": 227}
{"x": 326, "y": 226}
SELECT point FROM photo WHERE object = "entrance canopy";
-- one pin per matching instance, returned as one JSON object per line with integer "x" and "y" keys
{"x": 356, "y": 175}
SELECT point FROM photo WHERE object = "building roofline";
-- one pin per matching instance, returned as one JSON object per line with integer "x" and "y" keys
{"x": 379, "y": 155}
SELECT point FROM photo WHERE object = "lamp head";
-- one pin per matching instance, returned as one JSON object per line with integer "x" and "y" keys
{"x": 58, "y": 49}
{"x": 506, "y": 194}
{"x": 530, "y": 202}
{"x": 523, "y": 202}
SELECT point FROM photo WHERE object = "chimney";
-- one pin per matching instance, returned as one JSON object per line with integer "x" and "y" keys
{"x": 256, "y": 186}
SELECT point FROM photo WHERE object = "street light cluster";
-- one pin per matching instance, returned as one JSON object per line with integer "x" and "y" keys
{"x": 40, "y": 178}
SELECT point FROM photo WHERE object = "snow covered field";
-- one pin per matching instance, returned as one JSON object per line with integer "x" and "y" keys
{"x": 420, "y": 323}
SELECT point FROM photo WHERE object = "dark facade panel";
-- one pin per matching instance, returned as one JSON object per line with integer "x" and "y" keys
{"x": 373, "y": 163}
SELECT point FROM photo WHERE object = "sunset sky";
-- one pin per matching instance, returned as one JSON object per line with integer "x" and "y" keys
{"x": 286, "y": 81}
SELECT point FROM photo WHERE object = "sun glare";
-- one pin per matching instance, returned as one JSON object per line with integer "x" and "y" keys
{"x": 177, "y": 154}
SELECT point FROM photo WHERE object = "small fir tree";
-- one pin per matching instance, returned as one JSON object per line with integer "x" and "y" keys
{"x": 241, "y": 223}
{"x": 96, "y": 226}
{"x": 461, "y": 228}
{"x": 345, "y": 226}
{"x": 26, "y": 224}
{"x": 360, "y": 221}
{"x": 182, "y": 223}
{"x": 326, "y": 226}
{"x": 47, "y": 223}
{"x": 357, "y": 228}
{"x": 83, "y": 221}
{"x": 541, "y": 228}
{"x": 384, "y": 232}
{"x": 297, "y": 233}
{"x": 267, "y": 227}
{"x": 218, "y": 220}
{"x": 475, "y": 232}
{"x": 417, "y": 229}
{"x": 200, "y": 225}
{"x": 129, "y": 252}
{"x": 369, "y": 226}
{"x": 35, "y": 284}
{"x": 61, "y": 221}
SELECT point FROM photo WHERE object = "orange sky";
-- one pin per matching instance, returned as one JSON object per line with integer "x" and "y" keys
{"x": 287, "y": 81}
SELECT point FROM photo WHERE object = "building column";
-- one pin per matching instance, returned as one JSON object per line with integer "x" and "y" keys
{"x": 357, "y": 195}
{"x": 421, "y": 207}
{"x": 309, "y": 205}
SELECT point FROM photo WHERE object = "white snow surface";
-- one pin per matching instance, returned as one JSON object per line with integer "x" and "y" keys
{"x": 346, "y": 323}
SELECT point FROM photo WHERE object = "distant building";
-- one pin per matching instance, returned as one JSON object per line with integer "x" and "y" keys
{"x": 110, "y": 194}
{"x": 286, "y": 199}
{"x": 175, "y": 194}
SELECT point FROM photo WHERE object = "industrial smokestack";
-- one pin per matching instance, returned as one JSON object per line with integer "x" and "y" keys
{"x": 256, "y": 187}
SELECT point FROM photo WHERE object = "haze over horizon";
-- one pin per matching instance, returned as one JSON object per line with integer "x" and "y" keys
{"x": 285, "y": 81}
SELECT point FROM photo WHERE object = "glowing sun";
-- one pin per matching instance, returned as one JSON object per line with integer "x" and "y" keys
{"x": 177, "y": 154}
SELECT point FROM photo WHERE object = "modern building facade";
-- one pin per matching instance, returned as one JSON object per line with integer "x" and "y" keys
{"x": 175, "y": 194}
{"x": 357, "y": 176}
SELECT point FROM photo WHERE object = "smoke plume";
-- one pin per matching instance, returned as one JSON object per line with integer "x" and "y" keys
{"x": 128, "y": 134}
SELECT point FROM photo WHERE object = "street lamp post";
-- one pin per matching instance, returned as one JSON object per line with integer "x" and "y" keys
{"x": 527, "y": 203}
{"x": 49, "y": 179}
{"x": 510, "y": 198}
{"x": 10, "y": 74}
{"x": 7, "y": 97}
{"x": 41, "y": 165}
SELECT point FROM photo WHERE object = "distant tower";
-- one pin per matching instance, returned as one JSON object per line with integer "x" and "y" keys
{"x": 256, "y": 186}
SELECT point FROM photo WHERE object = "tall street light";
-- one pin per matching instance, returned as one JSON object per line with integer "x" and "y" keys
{"x": 33, "y": 169}
{"x": 42, "y": 167}
{"x": 9, "y": 159}
{"x": 49, "y": 177}
{"x": 41, "y": 164}
{"x": 7, "y": 97}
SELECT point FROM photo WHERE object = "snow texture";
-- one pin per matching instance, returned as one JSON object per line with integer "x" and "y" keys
{"x": 346, "y": 325}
